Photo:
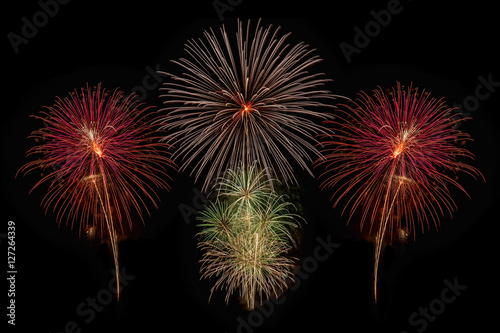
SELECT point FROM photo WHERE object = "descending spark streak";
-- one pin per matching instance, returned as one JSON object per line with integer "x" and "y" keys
{"x": 106, "y": 209}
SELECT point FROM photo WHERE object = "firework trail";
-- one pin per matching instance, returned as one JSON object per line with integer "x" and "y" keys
{"x": 101, "y": 158}
{"x": 252, "y": 100}
{"x": 393, "y": 158}
{"x": 246, "y": 237}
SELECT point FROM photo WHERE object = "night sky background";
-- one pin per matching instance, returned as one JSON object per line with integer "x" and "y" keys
{"x": 442, "y": 49}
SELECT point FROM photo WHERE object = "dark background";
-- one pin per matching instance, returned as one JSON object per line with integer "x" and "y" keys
{"x": 440, "y": 48}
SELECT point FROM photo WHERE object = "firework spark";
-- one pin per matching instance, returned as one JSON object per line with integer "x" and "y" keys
{"x": 246, "y": 237}
{"x": 391, "y": 159}
{"x": 255, "y": 103}
{"x": 102, "y": 160}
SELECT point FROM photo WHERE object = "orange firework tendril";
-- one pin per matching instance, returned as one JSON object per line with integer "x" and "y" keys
{"x": 107, "y": 213}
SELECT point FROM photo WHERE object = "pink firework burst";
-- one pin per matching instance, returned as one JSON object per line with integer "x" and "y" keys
{"x": 393, "y": 159}
{"x": 102, "y": 158}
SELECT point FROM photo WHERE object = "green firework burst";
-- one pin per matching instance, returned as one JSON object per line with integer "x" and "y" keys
{"x": 247, "y": 237}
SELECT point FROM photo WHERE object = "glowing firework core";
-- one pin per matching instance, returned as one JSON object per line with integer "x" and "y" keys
{"x": 399, "y": 149}
{"x": 90, "y": 135}
{"x": 96, "y": 149}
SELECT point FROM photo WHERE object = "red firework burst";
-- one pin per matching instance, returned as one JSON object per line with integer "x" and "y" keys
{"x": 102, "y": 159}
{"x": 393, "y": 158}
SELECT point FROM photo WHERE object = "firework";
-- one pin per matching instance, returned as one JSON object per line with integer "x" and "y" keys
{"x": 102, "y": 160}
{"x": 246, "y": 237}
{"x": 252, "y": 100}
{"x": 393, "y": 158}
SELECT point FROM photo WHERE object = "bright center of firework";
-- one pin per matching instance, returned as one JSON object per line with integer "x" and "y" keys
{"x": 91, "y": 134}
{"x": 97, "y": 149}
{"x": 245, "y": 109}
{"x": 399, "y": 149}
